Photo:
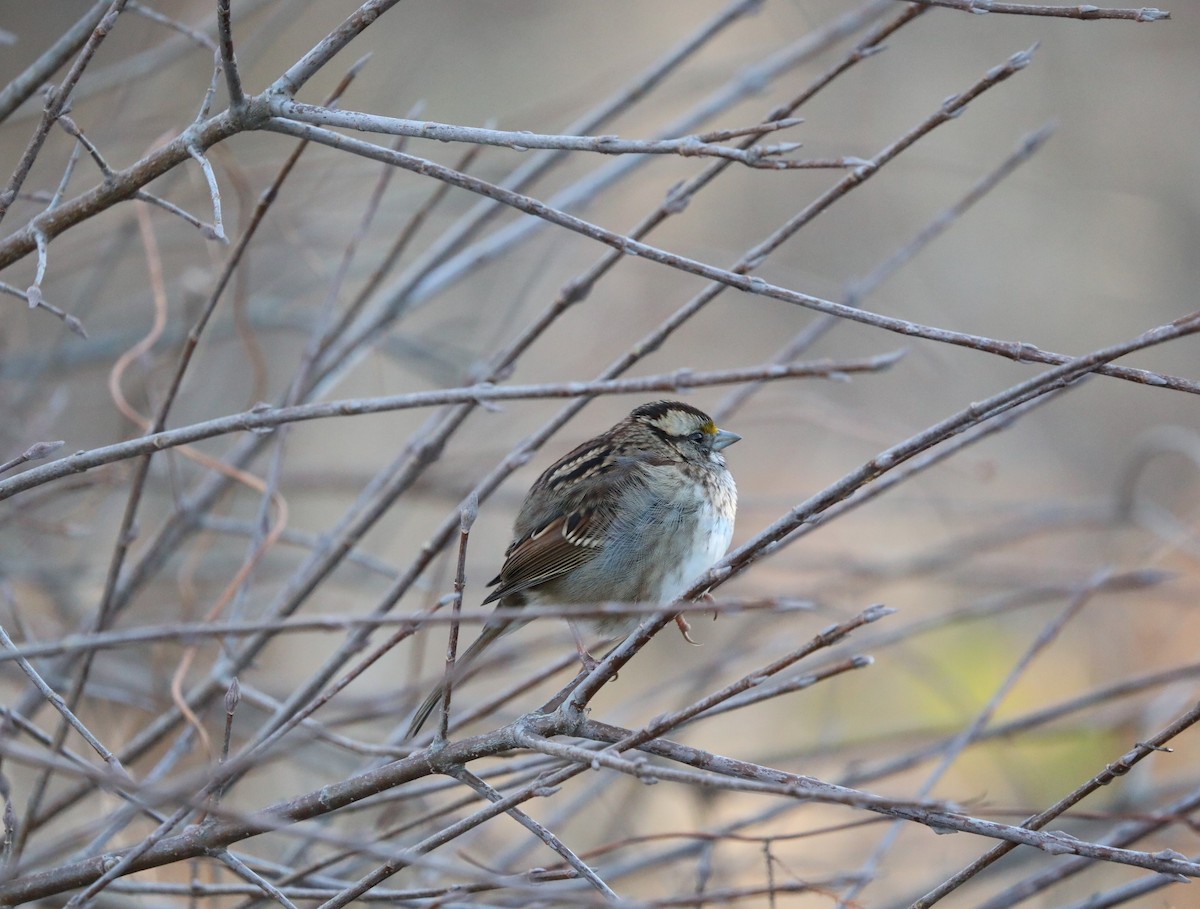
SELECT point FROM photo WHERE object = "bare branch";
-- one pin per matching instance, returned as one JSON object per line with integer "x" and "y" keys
{"x": 720, "y": 772}
{"x": 233, "y": 79}
{"x": 759, "y": 156}
{"x": 35, "y": 301}
{"x": 266, "y": 417}
{"x": 191, "y": 631}
{"x": 306, "y": 67}
{"x": 540, "y": 831}
{"x": 1082, "y": 11}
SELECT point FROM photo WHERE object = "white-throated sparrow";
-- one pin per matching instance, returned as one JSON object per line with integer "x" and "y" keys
{"x": 634, "y": 515}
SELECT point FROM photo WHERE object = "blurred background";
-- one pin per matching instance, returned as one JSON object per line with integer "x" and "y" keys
{"x": 1090, "y": 242}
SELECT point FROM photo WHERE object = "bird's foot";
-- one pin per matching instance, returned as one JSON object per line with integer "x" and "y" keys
{"x": 685, "y": 629}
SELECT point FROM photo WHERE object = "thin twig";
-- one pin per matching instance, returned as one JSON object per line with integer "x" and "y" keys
{"x": 60, "y": 704}
{"x": 233, "y": 79}
{"x": 539, "y": 830}
{"x": 34, "y": 452}
{"x": 20, "y": 89}
{"x": 267, "y": 417}
{"x": 196, "y": 37}
{"x": 326, "y": 49}
{"x": 213, "y": 189}
{"x": 56, "y": 103}
{"x": 470, "y": 512}
{"x": 1083, "y": 11}
{"x": 766, "y": 157}
{"x": 1126, "y": 834}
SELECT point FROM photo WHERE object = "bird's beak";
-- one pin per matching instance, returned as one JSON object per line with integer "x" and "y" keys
{"x": 724, "y": 438}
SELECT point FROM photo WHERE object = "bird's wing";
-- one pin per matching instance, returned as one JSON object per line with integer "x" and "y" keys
{"x": 552, "y": 550}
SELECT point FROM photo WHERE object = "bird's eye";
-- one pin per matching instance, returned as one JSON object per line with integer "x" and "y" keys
{"x": 697, "y": 437}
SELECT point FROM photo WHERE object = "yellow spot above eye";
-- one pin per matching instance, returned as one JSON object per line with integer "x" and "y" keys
{"x": 710, "y": 427}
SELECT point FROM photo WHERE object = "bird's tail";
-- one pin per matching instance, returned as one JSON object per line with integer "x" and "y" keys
{"x": 461, "y": 665}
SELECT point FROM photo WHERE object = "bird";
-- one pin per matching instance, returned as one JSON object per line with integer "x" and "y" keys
{"x": 634, "y": 515}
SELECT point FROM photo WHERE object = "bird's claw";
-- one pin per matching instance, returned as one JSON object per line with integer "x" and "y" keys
{"x": 684, "y": 629}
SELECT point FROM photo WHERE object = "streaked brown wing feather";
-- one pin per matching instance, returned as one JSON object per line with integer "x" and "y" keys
{"x": 551, "y": 551}
{"x": 565, "y": 518}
